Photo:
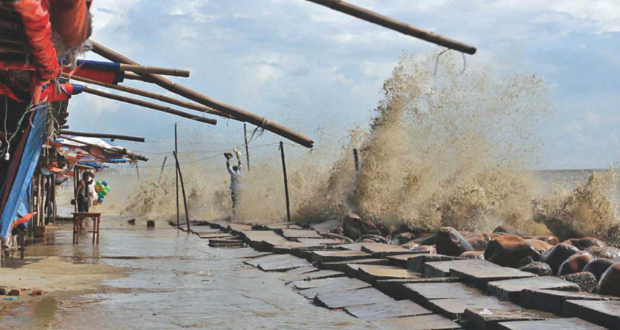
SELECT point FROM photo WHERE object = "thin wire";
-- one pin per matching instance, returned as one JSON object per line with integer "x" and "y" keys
{"x": 6, "y": 114}
{"x": 437, "y": 60}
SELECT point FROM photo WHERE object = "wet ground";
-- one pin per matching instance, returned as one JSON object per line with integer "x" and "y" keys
{"x": 176, "y": 281}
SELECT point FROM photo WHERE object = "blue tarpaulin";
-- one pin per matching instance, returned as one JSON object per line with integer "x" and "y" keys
{"x": 17, "y": 204}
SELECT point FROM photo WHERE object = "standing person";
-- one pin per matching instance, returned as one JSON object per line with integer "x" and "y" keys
{"x": 82, "y": 194}
{"x": 236, "y": 183}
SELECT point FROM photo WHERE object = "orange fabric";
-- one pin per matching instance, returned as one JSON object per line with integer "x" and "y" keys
{"x": 23, "y": 219}
{"x": 70, "y": 19}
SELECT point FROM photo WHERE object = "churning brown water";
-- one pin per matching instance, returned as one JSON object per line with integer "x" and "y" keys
{"x": 446, "y": 147}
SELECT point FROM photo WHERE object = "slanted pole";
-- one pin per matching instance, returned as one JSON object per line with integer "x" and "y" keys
{"x": 288, "y": 204}
{"x": 237, "y": 113}
{"x": 162, "y": 169}
{"x": 392, "y": 24}
{"x": 176, "y": 151}
{"x": 247, "y": 149}
{"x": 149, "y": 105}
{"x": 183, "y": 191}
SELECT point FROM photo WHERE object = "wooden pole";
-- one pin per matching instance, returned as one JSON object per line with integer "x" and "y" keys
{"x": 237, "y": 113}
{"x": 138, "y": 171}
{"x": 182, "y": 190}
{"x": 247, "y": 149}
{"x": 154, "y": 70}
{"x": 105, "y": 136}
{"x": 149, "y": 105}
{"x": 162, "y": 169}
{"x": 288, "y": 205}
{"x": 395, "y": 25}
{"x": 154, "y": 96}
{"x": 176, "y": 151}
{"x": 357, "y": 160}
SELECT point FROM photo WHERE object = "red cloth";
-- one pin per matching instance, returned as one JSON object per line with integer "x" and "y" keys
{"x": 108, "y": 77}
{"x": 50, "y": 95}
{"x": 4, "y": 89}
{"x": 70, "y": 19}
{"x": 38, "y": 29}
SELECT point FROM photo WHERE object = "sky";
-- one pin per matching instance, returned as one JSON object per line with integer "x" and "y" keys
{"x": 320, "y": 72}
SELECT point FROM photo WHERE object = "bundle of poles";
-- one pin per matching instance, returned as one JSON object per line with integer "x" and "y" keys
{"x": 207, "y": 105}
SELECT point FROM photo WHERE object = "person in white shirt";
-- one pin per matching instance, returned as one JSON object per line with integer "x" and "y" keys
{"x": 236, "y": 180}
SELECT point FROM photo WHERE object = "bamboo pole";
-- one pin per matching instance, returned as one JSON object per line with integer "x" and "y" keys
{"x": 236, "y": 112}
{"x": 138, "y": 171}
{"x": 357, "y": 160}
{"x": 288, "y": 204}
{"x": 176, "y": 151}
{"x": 395, "y": 25}
{"x": 105, "y": 136}
{"x": 154, "y": 70}
{"x": 247, "y": 149}
{"x": 183, "y": 191}
{"x": 151, "y": 95}
{"x": 133, "y": 76}
{"x": 149, "y": 105}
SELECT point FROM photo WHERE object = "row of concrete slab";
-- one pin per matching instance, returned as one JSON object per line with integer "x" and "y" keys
{"x": 396, "y": 289}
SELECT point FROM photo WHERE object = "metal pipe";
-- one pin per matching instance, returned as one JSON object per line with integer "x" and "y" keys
{"x": 392, "y": 24}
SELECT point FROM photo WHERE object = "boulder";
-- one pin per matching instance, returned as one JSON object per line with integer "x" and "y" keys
{"x": 598, "y": 267}
{"x": 355, "y": 227}
{"x": 610, "y": 281}
{"x": 372, "y": 238}
{"x": 479, "y": 242}
{"x": 538, "y": 268}
{"x": 425, "y": 240}
{"x": 575, "y": 263}
{"x": 538, "y": 245}
{"x": 585, "y": 242}
{"x": 473, "y": 255}
{"x": 403, "y": 238}
{"x": 555, "y": 256}
{"x": 586, "y": 280}
{"x": 549, "y": 239}
{"x": 450, "y": 242}
{"x": 507, "y": 230}
{"x": 424, "y": 248}
{"x": 606, "y": 252}
{"x": 508, "y": 251}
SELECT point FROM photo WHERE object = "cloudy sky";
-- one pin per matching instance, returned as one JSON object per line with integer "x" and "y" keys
{"x": 321, "y": 72}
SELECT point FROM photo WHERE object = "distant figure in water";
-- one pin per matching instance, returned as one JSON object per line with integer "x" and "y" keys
{"x": 236, "y": 180}
{"x": 82, "y": 194}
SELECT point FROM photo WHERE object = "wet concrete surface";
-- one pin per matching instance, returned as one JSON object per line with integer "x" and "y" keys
{"x": 176, "y": 281}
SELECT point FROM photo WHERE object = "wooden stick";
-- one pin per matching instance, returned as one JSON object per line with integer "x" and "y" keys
{"x": 237, "y": 113}
{"x": 138, "y": 171}
{"x": 395, "y": 25}
{"x": 149, "y": 105}
{"x": 162, "y": 169}
{"x": 151, "y": 95}
{"x": 105, "y": 136}
{"x": 357, "y": 160}
{"x": 133, "y": 76}
{"x": 247, "y": 149}
{"x": 183, "y": 190}
{"x": 154, "y": 70}
{"x": 288, "y": 205}
{"x": 176, "y": 151}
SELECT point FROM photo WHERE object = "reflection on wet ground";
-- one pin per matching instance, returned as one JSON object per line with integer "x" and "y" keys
{"x": 176, "y": 281}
